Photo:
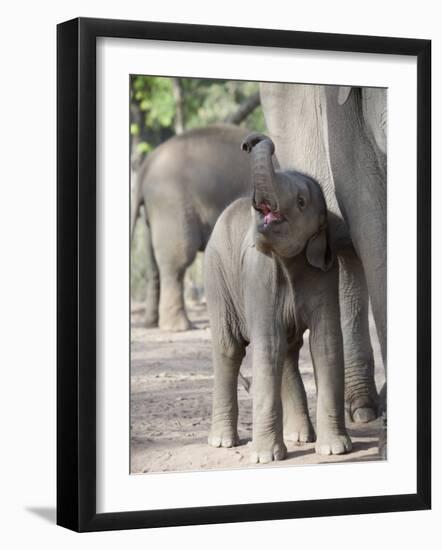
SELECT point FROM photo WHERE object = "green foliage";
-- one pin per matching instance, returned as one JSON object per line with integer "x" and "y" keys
{"x": 155, "y": 98}
{"x": 144, "y": 147}
{"x": 134, "y": 129}
{"x": 212, "y": 101}
{"x": 255, "y": 121}
{"x": 204, "y": 102}
{"x": 152, "y": 101}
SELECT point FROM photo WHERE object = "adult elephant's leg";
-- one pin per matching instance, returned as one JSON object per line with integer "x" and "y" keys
{"x": 360, "y": 390}
{"x": 153, "y": 285}
{"x": 296, "y": 419}
{"x": 377, "y": 285}
{"x": 359, "y": 173}
{"x": 175, "y": 249}
{"x": 375, "y": 266}
{"x": 370, "y": 242}
{"x": 173, "y": 314}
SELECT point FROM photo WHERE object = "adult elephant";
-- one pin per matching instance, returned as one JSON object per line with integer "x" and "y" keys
{"x": 337, "y": 135}
{"x": 184, "y": 186}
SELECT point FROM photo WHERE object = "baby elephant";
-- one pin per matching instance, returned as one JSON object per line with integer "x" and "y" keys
{"x": 270, "y": 276}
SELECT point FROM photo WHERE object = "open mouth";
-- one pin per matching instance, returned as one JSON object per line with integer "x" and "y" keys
{"x": 269, "y": 216}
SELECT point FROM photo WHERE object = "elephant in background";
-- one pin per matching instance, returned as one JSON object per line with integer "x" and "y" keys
{"x": 184, "y": 186}
{"x": 337, "y": 135}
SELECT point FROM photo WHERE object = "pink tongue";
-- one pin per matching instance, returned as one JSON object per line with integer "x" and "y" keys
{"x": 271, "y": 216}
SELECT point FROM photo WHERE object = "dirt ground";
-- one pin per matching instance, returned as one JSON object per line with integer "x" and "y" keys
{"x": 171, "y": 389}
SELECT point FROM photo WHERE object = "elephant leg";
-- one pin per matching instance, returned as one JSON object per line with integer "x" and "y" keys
{"x": 376, "y": 282}
{"x": 327, "y": 353}
{"x": 296, "y": 419}
{"x": 361, "y": 397}
{"x": 226, "y": 364}
{"x": 173, "y": 314}
{"x": 175, "y": 250}
{"x": 153, "y": 285}
{"x": 378, "y": 296}
{"x": 268, "y": 442}
{"x": 373, "y": 253}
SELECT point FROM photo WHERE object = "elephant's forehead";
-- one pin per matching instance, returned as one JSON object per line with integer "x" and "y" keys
{"x": 298, "y": 182}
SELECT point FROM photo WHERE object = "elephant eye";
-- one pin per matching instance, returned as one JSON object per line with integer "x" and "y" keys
{"x": 301, "y": 202}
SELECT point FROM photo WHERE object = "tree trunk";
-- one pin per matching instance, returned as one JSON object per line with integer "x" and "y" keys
{"x": 244, "y": 110}
{"x": 136, "y": 117}
{"x": 179, "y": 105}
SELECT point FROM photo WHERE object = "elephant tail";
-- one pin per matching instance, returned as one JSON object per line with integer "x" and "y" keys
{"x": 137, "y": 197}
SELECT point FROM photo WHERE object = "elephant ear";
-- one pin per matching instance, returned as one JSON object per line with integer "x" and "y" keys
{"x": 343, "y": 94}
{"x": 318, "y": 250}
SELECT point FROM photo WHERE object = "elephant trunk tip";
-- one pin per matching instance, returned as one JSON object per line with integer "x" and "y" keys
{"x": 253, "y": 139}
{"x": 245, "y": 146}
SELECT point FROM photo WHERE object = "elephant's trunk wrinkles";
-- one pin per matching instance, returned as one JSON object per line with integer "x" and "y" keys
{"x": 263, "y": 174}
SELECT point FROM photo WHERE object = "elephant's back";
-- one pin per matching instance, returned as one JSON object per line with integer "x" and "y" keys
{"x": 207, "y": 162}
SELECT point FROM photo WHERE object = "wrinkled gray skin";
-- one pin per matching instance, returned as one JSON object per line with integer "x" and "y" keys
{"x": 337, "y": 135}
{"x": 269, "y": 276}
{"x": 184, "y": 186}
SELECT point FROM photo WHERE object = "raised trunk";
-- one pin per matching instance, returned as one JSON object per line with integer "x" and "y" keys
{"x": 263, "y": 173}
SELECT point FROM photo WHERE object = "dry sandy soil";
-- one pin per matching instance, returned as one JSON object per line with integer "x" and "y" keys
{"x": 171, "y": 388}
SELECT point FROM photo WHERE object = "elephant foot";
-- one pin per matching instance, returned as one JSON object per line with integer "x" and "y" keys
{"x": 299, "y": 430}
{"x": 263, "y": 453}
{"x": 362, "y": 410}
{"x": 363, "y": 415}
{"x": 223, "y": 437}
{"x": 176, "y": 324}
{"x": 333, "y": 444}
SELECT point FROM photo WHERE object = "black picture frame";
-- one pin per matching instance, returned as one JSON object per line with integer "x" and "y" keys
{"x": 76, "y": 273}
